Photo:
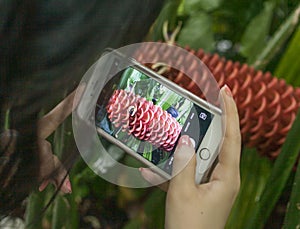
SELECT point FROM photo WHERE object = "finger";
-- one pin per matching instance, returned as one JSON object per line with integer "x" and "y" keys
{"x": 60, "y": 179}
{"x": 154, "y": 178}
{"x": 43, "y": 185}
{"x": 65, "y": 187}
{"x": 184, "y": 163}
{"x": 229, "y": 157}
{"x": 49, "y": 123}
{"x": 45, "y": 158}
{"x": 51, "y": 169}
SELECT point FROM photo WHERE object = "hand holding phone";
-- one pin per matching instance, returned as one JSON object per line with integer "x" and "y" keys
{"x": 206, "y": 205}
{"x": 145, "y": 114}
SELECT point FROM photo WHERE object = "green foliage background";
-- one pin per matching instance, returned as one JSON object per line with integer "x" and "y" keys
{"x": 263, "y": 33}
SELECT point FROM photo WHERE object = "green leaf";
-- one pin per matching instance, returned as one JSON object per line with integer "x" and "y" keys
{"x": 152, "y": 87}
{"x": 34, "y": 207}
{"x": 197, "y": 32}
{"x": 278, "y": 40}
{"x": 59, "y": 140}
{"x": 135, "y": 223}
{"x": 254, "y": 38}
{"x": 233, "y": 17}
{"x": 73, "y": 211}
{"x": 168, "y": 13}
{"x": 61, "y": 213}
{"x": 155, "y": 210}
{"x": 255, "y": 171}
{"x": 168, "y": 99}
{"x": 278, "y": 178}
{"x": 288, "y": 67}
{"x": 6, "y": 119}
{"x": 206, "y": 5}
{"x": 292, "y": 217}
{"x": 125, "y": 78}
{"x": 144, "y": 87}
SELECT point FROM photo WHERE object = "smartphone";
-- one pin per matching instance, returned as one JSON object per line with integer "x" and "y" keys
{"x": 145, "y": 114}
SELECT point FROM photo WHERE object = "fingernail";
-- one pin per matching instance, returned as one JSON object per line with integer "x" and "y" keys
{"x": 43, "y": 185}
{"x": 68, "y": 186}
{"x": 227, "y": 90}
{"x": 185, "y": 140}
{"x": 193, "y": 142}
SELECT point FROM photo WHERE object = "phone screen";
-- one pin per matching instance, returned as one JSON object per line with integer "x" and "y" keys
{"x": 149, "y": 117}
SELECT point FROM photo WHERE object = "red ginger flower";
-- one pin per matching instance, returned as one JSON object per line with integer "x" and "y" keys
{"x": 267, "y": 105}
{"x": 144, "y": 120}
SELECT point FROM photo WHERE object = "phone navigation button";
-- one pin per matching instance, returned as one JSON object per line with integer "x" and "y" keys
{"x": 204, "y": 154}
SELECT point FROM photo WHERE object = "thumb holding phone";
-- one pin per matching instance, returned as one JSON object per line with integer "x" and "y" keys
{"x": 189, "y": 205}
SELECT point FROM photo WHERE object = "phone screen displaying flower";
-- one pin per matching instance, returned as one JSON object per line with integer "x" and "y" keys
{"x": 148, "y": 117}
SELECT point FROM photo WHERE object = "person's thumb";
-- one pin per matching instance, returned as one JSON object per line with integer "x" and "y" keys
{"x": 184, "y": 162}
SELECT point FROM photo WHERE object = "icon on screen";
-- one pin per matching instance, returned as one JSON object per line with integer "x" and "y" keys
{"x": 203, "y": 116}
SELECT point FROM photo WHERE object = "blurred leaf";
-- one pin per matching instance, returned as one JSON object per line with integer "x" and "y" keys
{"x": 85, "y": 181}
{"x": 59, "y": 140}
{"x": 81, "y": 190}
{"x": 132, "y": 162}
{"x": 197, "y": 32}
{"x": 125, "y": 78}
{"x": 255, "y": 171}
{"x": 34, "y": 207}
{"x": 135, "y": 223}
{"x": 74, "y": 212}
{"x": 6, "y": 119}
{"x": 168, "y": 99}
{"x": 169, "y": 14}
{"x": 206, "y": 5}
{"x": 254, "y": 38}
{"x": 144, "y": 87}
{"x": 277, "y": 40}
{"x": 289, "y": 68}
{"x": 61, "y": 213}
{"x": 93, "y": 221}
{"x": 292, "y": 217}
{"x": 232, "y": 17}
{"x": 278, "y": 178}
{"x": 151, "y": 90}
{"x": 155, "y": 209}
{"x": 127, "y": 195}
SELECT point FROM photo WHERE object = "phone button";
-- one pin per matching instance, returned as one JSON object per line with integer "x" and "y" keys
{"x": 204, "y": 154}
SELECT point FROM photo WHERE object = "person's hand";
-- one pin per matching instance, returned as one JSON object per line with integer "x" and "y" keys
{"x": 208, "y": 205}
{"x": 51, "y": 169}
